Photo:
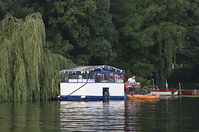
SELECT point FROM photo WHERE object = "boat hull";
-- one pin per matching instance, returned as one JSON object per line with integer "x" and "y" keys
{"x": 164, "y": 92}
{"x": 89, "y": 98}
{"x": 188, "y": 92}
{"x": 143, "y": 97}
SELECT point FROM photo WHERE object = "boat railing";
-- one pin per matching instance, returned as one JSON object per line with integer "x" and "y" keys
{"x": 80, "y": 80}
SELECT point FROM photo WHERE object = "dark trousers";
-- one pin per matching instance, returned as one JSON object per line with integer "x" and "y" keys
{"x": 129, "y": 90}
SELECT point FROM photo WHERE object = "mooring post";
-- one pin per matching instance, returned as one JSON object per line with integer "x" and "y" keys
{"x": 180, "y": 88}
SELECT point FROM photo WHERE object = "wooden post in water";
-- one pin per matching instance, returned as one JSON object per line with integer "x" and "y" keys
{"x": 166, "y": 85}
{"x": 180, "y": 88}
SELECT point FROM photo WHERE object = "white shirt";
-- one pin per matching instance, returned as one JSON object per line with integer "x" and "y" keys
{"x": 131, "y": 82}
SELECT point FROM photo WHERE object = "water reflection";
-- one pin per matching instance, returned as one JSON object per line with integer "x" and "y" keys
{"x": 165, "y": 115}
{"x": 135, "y": 114}
{"x": 31, "y": 117}
{"x": 92, "y": 116}
{"x": 99, "y": 116}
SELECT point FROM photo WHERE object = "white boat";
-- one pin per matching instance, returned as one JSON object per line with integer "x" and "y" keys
{"x": 164, "y": 92}
{"x": 92, "y": 83}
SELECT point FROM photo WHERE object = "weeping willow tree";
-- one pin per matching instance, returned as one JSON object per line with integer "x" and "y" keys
{"x": 28, "y": 71}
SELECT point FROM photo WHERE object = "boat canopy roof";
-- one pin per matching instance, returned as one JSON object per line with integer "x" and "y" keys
{"x": 88, "y": 69}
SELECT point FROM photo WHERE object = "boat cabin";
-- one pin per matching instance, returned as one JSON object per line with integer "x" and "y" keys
{"x": 92, "y": 83}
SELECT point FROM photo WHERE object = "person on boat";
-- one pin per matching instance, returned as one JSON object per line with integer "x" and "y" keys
{"x": 131, "y": 83}
{"x": 126, "y": 88}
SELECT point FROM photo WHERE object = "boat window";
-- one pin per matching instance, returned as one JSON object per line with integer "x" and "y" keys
{"x": 105, "y": 77}
{"x": 108, "y": 77}
{"x": 63, "y": 77}
{"x": 92, "y": 77}
{"x": 98, "y": 77}
{"x": 78, "y": 77}
{"x": 112, "y": 77}
{"x": 72, "y": 76}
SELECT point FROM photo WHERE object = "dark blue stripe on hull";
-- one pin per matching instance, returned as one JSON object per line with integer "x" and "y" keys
{"x": 89, "y": 98}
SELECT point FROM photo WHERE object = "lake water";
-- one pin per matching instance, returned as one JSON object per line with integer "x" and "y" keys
{"x": 168, "y": 114}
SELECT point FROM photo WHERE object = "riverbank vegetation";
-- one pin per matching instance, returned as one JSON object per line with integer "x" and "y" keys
{"x": 150, "y": 39}
{"x": 28, "y": 69}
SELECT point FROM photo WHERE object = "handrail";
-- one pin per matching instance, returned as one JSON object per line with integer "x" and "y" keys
{"x": 79, "y": 88}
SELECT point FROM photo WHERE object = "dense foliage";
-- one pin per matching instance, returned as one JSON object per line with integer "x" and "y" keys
{"x": 28, "y": 70}
{"x": 146, "y": 38}
{"x": 150, "y": 36}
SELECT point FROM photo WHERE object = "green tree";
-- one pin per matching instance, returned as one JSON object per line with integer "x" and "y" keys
{"x": 73, "y": 27}
{"x": 84, "y": 28}
{"x": 28, "y": 70}
{"x": 149, "y": 36}
{"x": 189, "y": 56}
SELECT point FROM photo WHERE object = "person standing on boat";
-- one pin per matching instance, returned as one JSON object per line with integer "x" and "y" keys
{"x": 131, "y": 83}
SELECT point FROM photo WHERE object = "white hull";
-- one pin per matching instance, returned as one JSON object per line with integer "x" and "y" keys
{"x": 165, "y": 92}
{"x": 91, "y": 89}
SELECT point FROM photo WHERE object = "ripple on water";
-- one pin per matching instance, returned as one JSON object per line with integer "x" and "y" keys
{"x": 92, "y": 116}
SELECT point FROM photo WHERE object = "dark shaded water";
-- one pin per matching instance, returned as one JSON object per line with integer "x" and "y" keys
{"x": 165, "y": 115}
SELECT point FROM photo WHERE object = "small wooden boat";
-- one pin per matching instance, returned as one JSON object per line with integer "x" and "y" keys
{"x": 142, "y": 97}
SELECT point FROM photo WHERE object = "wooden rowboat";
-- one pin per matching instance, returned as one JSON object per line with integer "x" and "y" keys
{"x": 142, "y": 97}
